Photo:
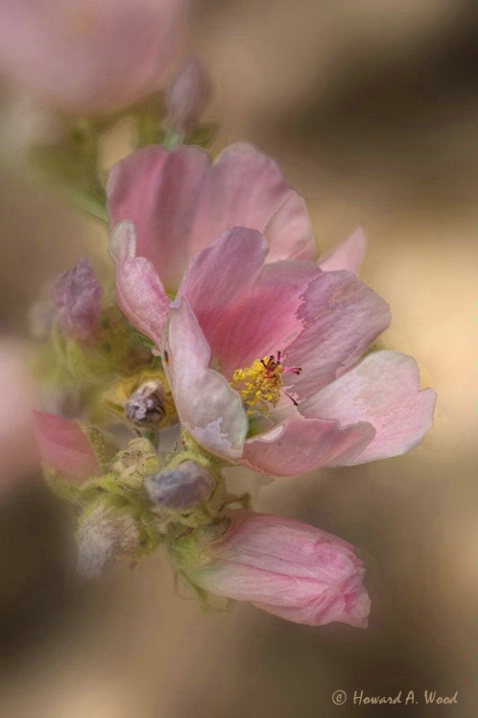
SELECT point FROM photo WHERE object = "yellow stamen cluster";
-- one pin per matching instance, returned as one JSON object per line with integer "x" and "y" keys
{"x": 259, "y": 385}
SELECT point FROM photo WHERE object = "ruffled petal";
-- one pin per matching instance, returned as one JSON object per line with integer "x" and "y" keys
{"x": 300, "y": 445}
{"x": 383, "y": 389}
{"x": 180, "y": 203}
{"x": 246, "y": 188}
{"x": 249, "y": 310}
{"x": 140, "y": 292}
{"x": 158, "y": 191}
{"x": 342, "y": 316}
{"x": 208, "y": 407}
{"x": 347, "y": 255}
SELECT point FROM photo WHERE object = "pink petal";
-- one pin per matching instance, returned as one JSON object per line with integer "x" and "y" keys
{"x": 90, "y": 56}
{"x": 180, "y": 203}
{"x": 249, "y": 310}
{"x": 350, "y": 606}
{"x": 64, "y": 447}
{"x": 348, "y": 255}
{"x": 246, "y": 188}
{"x": 300, "y": 445}
{"x": 382, "y": 389}
{"x": 158, "y": 191}
{"x": 140, "y": 292}
{"x": 207, "y": 406}
{"x": 342, "y": 317}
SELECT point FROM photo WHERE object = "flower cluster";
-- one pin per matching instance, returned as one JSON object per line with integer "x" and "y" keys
{"x": 228, "y": 342}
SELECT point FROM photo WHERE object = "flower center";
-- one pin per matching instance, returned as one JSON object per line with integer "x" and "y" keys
{"x": 261, "y": 384}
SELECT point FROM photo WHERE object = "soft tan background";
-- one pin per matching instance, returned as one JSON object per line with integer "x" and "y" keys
{"x": 370, "y": 109}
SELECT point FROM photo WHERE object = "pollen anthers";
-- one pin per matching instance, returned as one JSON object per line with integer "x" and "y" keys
{"x": 261, "y": 384}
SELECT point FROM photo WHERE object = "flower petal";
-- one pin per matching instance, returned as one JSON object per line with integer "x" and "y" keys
{"x": 140, "y": 292}
{"x": 180, "y": 203}
{"x": 342, "y": 316}
{"x": 64, "y": 447}
{"x": 382, "y": 389}
{"x": 158, "y": 190}
{"x": 249, "y": 310}
{"x": 305, "y": 444}
{"x": 246, "y": 188}
{"x": 348, "y": 255}
{"x": 207, "y": 406}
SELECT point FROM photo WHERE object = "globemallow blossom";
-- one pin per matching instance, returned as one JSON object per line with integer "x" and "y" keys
{"x": 91, "y": 56}
{"x": 287, "y": 568}
{"x": 263, "y": 359}
{"x": 76, "y": 295}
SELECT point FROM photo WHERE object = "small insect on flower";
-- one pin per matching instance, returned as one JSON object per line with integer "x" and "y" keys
{"x": 261, "y": 384}
{"x": 147, "y": 407}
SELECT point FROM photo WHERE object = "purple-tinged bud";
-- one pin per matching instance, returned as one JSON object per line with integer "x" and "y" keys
{"x": 187, "y": 95}
{"x": 182, "y": 488}
{"x": 104, "y": 534}
{"x": 287, "y": 568}
{"x": 76, "y": 295}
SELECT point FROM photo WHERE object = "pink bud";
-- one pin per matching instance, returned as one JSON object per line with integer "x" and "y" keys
{"x": 65, "y": 447}
{"x": 287, "y": 568}
{"x": 76, "y": 295}
{"x": 188, "y": 94}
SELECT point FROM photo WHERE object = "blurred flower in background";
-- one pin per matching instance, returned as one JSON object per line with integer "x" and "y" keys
{"x": 18, "y": 451}
{"x": 89, "y": 57}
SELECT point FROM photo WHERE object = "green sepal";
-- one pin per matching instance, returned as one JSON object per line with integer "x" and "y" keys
{"x": 203, "y": 135}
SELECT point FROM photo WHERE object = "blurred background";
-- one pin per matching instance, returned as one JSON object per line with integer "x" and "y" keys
{"x": 370, "y": 109}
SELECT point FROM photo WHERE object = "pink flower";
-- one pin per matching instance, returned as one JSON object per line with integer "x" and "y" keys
{"x": 90, "y": 56}
{"x": 285, "y": 567}
{"x": 263, "y": 359}
{"x": 65, "y": 447}
{"x": 180, "y": 203}
{"x": 76, "y": 295}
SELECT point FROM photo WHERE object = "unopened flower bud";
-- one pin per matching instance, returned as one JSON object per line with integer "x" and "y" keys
{"x": 187, "y": 95}
{"x": 136, "y": 462}
{"x": 103, "y": 535}
{"x": 182, "y": 488}
{"x": 285, "y": 567}
{"x": 76, "y": 295}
